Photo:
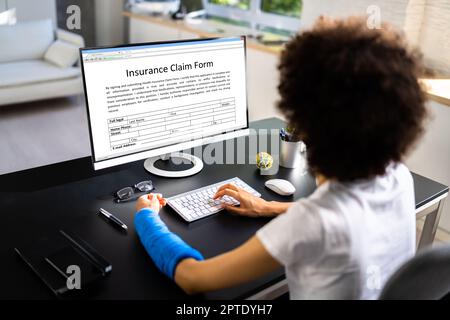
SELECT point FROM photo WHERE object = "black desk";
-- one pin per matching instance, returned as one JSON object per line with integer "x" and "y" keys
{"x": 40, "y": 201}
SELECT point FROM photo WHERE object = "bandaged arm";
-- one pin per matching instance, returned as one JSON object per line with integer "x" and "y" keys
{"x": 164, "y": 247}
{"x": 185, "y": 265}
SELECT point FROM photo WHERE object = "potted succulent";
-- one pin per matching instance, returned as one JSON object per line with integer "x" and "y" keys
{"x": 291, "y": 148}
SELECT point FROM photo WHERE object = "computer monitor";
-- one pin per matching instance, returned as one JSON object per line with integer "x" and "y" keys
{"x": 153, "y": 99}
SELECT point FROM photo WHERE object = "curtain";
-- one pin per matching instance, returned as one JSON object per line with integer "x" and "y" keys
{"x": 435, "y": 36}
{"x": 426, "y": 23}
{"x": 391, "y": 11}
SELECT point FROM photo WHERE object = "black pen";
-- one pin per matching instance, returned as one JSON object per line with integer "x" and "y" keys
{"x": 113, "y": 219}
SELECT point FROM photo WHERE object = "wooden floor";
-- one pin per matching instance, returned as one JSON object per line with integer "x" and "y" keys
{"x": 442, "y": 236}
{"x": 42, "y": 132}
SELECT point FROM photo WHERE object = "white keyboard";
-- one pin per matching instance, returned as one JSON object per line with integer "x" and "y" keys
{"x": 199, "y": 203}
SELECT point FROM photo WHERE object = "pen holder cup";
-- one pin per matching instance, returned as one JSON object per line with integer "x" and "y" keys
{"x": 292, "y": 154}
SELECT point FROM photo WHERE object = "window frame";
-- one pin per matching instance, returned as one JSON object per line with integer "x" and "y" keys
{"x": 254, "y": 16}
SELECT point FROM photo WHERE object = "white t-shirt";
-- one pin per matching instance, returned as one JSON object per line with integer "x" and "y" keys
{"x": 346, "y": 239}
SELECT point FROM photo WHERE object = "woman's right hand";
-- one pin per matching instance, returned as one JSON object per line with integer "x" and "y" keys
{"x": 251, "y": 206}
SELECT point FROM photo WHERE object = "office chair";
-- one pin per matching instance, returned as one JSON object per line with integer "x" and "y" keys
{"x": 424, "y": 277}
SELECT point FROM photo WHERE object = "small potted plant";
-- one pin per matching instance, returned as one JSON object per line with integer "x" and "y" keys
{"x": 291, "y": 148}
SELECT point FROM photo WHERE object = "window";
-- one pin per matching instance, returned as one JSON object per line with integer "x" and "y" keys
{"x": 290, "y": 8}
{"x": 241, "y": 4}
{"x": 283, "y": 15}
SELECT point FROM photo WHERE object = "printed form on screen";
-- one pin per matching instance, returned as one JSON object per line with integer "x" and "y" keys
{"x": 147, "y": 96}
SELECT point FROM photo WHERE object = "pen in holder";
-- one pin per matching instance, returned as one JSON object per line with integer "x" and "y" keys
{"x": 292, "y": 150}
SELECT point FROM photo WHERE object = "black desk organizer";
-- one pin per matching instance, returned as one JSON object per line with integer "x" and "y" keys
{"x": 50, "y": 258}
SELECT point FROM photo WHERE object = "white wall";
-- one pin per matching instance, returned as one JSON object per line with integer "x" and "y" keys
{"x": 262, "y": 83}
{"x": 27, "y": 10}
{"x": 432, "y": 155}
{"x": 109, "y": 22}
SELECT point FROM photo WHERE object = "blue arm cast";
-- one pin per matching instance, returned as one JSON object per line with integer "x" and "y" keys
{"x": 164, "y": 247}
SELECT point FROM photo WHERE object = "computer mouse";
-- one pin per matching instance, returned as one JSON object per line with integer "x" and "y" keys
{"x": 280, "y": 186}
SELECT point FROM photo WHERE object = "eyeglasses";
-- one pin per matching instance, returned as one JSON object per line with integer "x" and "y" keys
{"x": 129, "y": 193}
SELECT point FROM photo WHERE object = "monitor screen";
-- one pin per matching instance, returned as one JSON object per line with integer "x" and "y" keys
{"x": 151, "y": 99}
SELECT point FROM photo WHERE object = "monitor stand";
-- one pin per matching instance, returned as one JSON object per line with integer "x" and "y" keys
{"x": 149, "y": 165}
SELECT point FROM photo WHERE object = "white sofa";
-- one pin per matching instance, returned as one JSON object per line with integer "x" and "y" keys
{"x": 25, "y": 75}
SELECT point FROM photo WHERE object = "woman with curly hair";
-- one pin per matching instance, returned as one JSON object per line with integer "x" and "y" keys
{"x": 354, "y": 98}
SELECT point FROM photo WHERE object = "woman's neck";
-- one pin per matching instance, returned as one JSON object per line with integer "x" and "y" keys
{"x": 321, "y": 179}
